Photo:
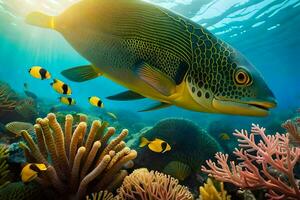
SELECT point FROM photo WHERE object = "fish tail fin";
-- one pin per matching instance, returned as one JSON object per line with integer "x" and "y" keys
{"x": 82, "y": 73}
{"x": 41, "y": 20}
{"x": 144, "y": 142}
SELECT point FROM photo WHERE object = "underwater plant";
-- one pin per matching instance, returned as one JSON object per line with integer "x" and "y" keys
{"x": 8, "y": 100}
{"x": 21, "y": 191}
{"x": 258, "y": 161}
{"x": 79, "y": 163}
{"x": 209, "y": 191}
{"x": 144, "y": 185}
{"x": 4, "y": 177}
{"x": 27, "y": 109}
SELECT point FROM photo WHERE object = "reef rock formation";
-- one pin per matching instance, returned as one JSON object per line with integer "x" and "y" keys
{"x": 190, "y": 147}
{"x": 79, "y": 163}
{"x": 145, "y": 185}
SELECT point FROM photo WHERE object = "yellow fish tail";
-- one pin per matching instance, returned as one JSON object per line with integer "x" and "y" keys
{"x": 41, "y": 20}
{"x": 144, "y": 142}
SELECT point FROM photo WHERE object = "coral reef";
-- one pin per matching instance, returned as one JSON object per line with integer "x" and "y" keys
{"x": 102, "y": 195}
{"x": 15, "y": 108}
{"x": 191, "y": 146}
{"x": 259, "y": 157}
{"x": 27, "y": 109}
{"x": 145, "y": 185}
{"x": 20, "y": 191}
{"x": 79, "y": 163}
{"x": 4, "y": 172}
{"x": 8, "y": 99}
{"x": 210, "y": 192}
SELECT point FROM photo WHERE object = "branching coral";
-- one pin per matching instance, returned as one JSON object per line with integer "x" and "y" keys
{"x": 256, "y": 160}
{"x": 4, "y": 178}
{"x": 79, "y": 163}
{"x": 210, "y": 192}
{"x": 145, "y": 185}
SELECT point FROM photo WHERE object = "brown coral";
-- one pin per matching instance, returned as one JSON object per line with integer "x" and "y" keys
{"x": 145, "y": 185}
{"x": 4, "y": 177}
{"x": 79, "y": 163}
{"x": 7, "y": 98}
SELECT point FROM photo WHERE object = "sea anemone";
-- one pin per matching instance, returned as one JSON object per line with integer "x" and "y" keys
{"x": 145, "y": 185}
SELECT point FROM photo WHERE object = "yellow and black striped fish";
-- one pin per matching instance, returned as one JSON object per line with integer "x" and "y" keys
{"x": 31, "y": 170}
{"x": 67, "y": 101}
{"x": 61, "y": 87}
{"x": 96, "y": 101}
{"x": 39, "y": 72}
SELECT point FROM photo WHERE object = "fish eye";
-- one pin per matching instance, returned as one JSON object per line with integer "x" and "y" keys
{"x": 242, "y": 77}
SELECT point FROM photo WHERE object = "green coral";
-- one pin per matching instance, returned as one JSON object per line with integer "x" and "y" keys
{"x": 4, "y": 172}
{"x": 20, "y": 191}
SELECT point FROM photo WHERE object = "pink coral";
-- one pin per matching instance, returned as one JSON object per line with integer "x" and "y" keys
{"x": 257, "y": 162}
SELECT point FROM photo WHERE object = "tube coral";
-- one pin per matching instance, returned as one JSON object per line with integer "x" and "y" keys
{"x": 81, "y": 162}
{"x": 145, "y": 185}
{"x": 257, "y": 160}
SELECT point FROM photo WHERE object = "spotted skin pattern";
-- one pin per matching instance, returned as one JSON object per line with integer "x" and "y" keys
{"x": 212, "y": 68}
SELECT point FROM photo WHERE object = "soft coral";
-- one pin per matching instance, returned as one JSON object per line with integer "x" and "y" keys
{"x": 257, "y": 159}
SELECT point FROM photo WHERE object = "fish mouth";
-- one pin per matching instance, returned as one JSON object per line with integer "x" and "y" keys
{"x": 247, "y": 108}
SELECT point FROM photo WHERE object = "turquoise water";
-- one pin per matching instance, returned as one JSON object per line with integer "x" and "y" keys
{"x": 266, "y": 32}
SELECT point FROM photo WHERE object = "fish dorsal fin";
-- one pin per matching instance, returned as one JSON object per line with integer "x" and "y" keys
{"x": 82, "y": 73}
{"x": 155, "y": 78}
{"x": 126, "y": 96}
{"x": 41, "y": 20}
{"x": 156, "y": 106}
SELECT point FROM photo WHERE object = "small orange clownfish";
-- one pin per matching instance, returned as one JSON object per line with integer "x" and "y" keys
{"x": 39, "y": 72}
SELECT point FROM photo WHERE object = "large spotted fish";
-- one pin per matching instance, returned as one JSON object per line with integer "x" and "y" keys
{"x": 161, "y": 55}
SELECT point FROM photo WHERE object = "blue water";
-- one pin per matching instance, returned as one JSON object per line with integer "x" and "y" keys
{"x": 265, "y": 31}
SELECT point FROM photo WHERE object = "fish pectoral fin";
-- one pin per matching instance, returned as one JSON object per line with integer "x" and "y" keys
{"x": 157, "y": 106}
{"x": 126, "y": 96}
{"x": 155, "y": 78}
{"x": 82, "y": 73}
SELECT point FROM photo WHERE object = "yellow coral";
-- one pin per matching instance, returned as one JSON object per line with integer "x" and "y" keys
{"x": 102, "y": 195}
{"x": 145, "y": 185}
{"x": 80, "y": 161}
{"x": 209, "y": 191}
